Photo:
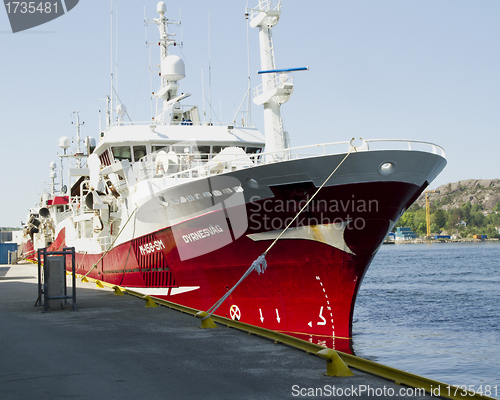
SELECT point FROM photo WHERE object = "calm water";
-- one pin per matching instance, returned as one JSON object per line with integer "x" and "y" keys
{"x": 433, "y": 310}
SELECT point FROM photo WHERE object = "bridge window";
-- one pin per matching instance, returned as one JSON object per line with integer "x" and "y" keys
{"x": 182, "y": 149}
{"x": 165, "y": 148}
{"x": 121, "y": 153}
{"x": 217, "y": 149}
{"x": 254, "y": 150}
{"x": 139, "y": 152}
{"x": 204, "y": 152}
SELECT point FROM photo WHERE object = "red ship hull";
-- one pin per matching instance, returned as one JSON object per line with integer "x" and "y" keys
{"x": 310, "y": 286}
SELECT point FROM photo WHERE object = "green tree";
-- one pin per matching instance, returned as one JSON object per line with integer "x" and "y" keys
{"x": 422, "y": 228}
{"x": 406, "y": 219}
{"x": 439, "y": 218}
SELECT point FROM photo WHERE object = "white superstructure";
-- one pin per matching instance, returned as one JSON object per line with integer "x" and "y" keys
{"x": 143, "y": 168}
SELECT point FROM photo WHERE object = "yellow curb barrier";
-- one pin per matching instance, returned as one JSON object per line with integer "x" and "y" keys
{"x": 392, "y": 374}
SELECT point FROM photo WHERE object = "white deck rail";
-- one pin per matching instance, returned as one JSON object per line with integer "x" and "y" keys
{"x": 147, "y": 167}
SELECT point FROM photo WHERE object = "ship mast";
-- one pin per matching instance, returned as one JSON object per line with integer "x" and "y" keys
{"x": 276, "y": 86}
{"x": 172, "y": 68}
{"x": 78, "y": 140}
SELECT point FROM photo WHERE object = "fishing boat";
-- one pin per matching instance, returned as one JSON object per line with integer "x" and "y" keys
{"x": 180, "y": 208}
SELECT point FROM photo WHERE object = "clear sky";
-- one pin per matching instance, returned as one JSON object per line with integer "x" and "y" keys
{"x": 424, "y": 70}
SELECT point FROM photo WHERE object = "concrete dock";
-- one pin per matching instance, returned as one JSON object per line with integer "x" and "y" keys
{"x": 114, "y": 347}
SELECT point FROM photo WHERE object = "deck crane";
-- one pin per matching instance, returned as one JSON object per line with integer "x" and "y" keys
{"x": 428, "y": 211}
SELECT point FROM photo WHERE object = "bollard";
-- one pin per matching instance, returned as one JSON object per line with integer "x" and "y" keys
{"x": 334, "y": 364}
{"x": 118, "y": 291}
{"x": 150, "y": 302}
{"x": 205, "y": 323}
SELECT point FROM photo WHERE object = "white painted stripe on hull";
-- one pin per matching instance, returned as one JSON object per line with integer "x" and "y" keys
{"x": 162, "y": 291}
{"x": 330, "y": 234}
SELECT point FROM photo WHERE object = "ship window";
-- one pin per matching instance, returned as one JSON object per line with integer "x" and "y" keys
{"x": 217, "y": 192}
{"x": 183, "y": 199}
{"x": 227, "y": 191}
{"x": 182, "y": 149}
{"x": 207, "y": 194}
{"x": 157, "y": 148}
{"x": 238, "y": 189}
{"x": 217, "y": 149}
{"x": 204, "y": 152}
{"x": 139, "y": 152}
{"x": 198, "y": 196}
{"x": 121, "y": 153}
{"x": 189, "y": 197}
{"x": 254, "y": 150}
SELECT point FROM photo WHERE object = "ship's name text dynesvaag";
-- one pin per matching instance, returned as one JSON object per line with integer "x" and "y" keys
{"x": 202, "y": 233}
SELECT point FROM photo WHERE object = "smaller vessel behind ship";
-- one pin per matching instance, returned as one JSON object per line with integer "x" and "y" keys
{"x": 179, "y": 208}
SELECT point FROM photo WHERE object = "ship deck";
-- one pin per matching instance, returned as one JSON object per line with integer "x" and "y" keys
{"x": 115, "y": 346}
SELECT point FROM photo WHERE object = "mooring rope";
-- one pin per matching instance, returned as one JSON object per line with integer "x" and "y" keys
{"x": 260, "y": 264}
{"x": 111, "y": 245}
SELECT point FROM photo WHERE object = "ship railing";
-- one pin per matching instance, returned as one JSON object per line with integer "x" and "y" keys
{"x": 187, "y": 123}
{"x": 63, "y": 215}
{"x": 361, "y": 145}
{"x": 77, "y": 200}
{"x": 264, "y": 5}
{"x": 205, "y": 168}
{"x": 404, "y": 144}
{"x": 282, "y": 81}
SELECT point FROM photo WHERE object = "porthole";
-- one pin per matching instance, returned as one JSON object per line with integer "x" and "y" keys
{"x": 252, "y": 183}
{"x": 163, "y": 200}
{"x": 387, "y": 168}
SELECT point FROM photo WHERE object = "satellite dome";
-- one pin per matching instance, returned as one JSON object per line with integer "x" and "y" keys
{"x": 161, "y": 7}
{"x": 121, "y": 109}
{"x": 173, "y": 69}
{"x": 64, "y": 142}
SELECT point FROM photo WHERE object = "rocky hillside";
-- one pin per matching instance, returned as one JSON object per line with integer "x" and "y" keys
{"x": 483, "y": 192}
